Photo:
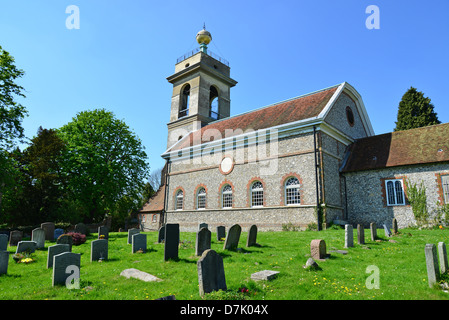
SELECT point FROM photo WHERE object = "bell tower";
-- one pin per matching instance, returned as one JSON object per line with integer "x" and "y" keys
{"x": 201, "y": 90}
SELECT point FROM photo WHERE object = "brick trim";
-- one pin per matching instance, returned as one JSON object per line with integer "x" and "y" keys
{"x": 183, "y": 199}
{"x": 248, "y": 191}
{"x": 220, "y": 196}
{"x": 195, "y": 195}
{"x": 284, "y": 179}
{"x": 440, "y": 186}
{"x": 384, "y": 191}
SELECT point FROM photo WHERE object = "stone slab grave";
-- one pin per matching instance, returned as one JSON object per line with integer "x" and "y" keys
{"x": 442, "y": 257}
{"x": 24, "y": 246}
{"x": 318, "y": 250}
{"x": 203, "y": 241}
{"x": 65, "y": 265}
{"x": 264, "y": 275}
{"x": 140, "y": 275}
{"x": 103, "y": 231}
{"x": 373, "y": 229}
{"x": 161, "y": 234}
{"x": 99, "y": 250}
{"x": 139, "y": 242}
{"x": 433, "y": 273}
{"x": 58, "y": 232}
{"x": 221, "y": 233}
{"x": 49, "y": 228}
{"x": 349, "y": 236}
{"x": 132, "y": 232}
{"x": 252, "y": 236}
{"x": 203, "y": 225}
{"x": 38, "y": 235}
{"x": 171, "y": 241}
{"x": 65, "y": 239}
{"x": 211, "y": 275}
{"x": 360, "y": 234}
{"x": 387, "y": 230}
{"x": 54, "y": 250}
{"x": 81, "y": 228}
{"x": 3, "y": 242}
{"x": 232, "y": 238}
{"x": 15, "y": 237}
{"x": 4, "y": 259}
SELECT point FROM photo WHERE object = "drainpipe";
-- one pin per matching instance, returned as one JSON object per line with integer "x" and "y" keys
{"x": 316, "y": 181}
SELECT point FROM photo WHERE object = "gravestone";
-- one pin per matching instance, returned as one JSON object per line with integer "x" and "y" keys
{"x": 373, "y": 229}
{"x": 49, "y": 228}
{"x": 161, "y": 234}
{"x": 4, "y": 259}
{"x": 221, "y": 233}
{"x": 15, "y": 237}
{"x": 266, "y": 275}
{"x": 252, "y": 236}
{"x": 23, "y": 246}
{"x": 137, "y": 274}
{"x": 61, "y": 262}
{"x": 38, "y": 235}
{"x": 3, "y": 242}
{"x": 65, "y": 239}
{"x": 139, "y": 242}
{"x": 318, "y": 249}
{"x": 54, "y": 250}
{"x": 203, "y": 240}
{"x": 349, "y": 236}
{"x": 203, "y": 225}
{"x": 395, "y": 226}
{"x": 103, "y": 231}
{"x": 433, "y": 274}
{"x": 360, "y": 234}
{"x": 132, "y": 232}
{"x": 232, "y": 238}
{"x": 81, "y": 228}
{"x": 387, "y": 231}
{"x": 442, "y": 257}
{"x": 171, "y": 241}
{"x": 99, "y": 250}
{"x": 58, "y": 232}
{"x": 211, "y": 275}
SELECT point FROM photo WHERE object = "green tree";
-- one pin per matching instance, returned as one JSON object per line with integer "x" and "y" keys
{"x": 415, "y": 111}
{"x": 104, "y": 162}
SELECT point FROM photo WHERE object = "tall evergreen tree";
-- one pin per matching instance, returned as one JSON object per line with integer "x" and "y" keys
{"x": 415, "y": 111}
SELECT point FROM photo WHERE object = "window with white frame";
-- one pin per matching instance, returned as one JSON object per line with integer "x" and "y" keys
{"x": 257, "y": 194}
{"x": 226, "y": 196}
{"x": 179, "y": 200}
{"x": 201, "y": 199}
{"x": 292, "y": 192}
{"x": 395, "y": 192}
{"x": 445, "y": 185}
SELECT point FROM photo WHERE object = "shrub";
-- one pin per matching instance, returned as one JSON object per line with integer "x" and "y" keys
{"x": 77, "y": 238}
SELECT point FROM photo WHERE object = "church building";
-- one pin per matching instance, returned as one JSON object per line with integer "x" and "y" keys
{"x": 305, "y": 162}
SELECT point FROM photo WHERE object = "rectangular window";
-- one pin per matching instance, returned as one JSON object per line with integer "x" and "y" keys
{"x": 394, "y": 192}
{"x": 445, "y": 184}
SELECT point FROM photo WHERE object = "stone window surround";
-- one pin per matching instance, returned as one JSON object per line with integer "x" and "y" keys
{"x": 175, "y": 193}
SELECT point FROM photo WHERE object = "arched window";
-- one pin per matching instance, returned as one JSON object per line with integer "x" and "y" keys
{"x": 292, "y": 191}
{"x": 213, "y": 100}
{"x": 185, "y": 98}
{"x": 179, "y": 200}
{"x": 257, "y": 194}
{"x": 226, "y": 196}
{"x": 395, "y": 192}
{"x": 201, "y": 199}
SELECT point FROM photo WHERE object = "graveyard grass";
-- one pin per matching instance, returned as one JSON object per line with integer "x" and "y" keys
{"x": 402, "y": 269}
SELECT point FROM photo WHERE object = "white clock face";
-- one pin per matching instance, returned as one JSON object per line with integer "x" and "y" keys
{"x": 226, "y": 165}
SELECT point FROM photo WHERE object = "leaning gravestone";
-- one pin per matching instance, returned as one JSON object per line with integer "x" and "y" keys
{"x": 442, "y": 257}
{"x": 373, "y": 229}
{"x": 211, "y": 275}
{"x": 171, "y": 241}
{"x": 57, "y": 233}
{"x": 139, "y": 242}
{"x": 29, "y": 246}
{"x": 360, "y": 234}
{"x": 64, "y": 265}
{"x": 161, "y": 234}
{"x": 66, "y": 239}
{"x": 233, "y": 237}
{"x": 203, "y": 240}
{"x": 38, "y": 235}
{"x": 3, "y": 242}
{"x": 54, "y": 250}
{"x": 387, "y": 231}
{"x": 318, "y": 249}
{"x": 132, "y": 232}
{"x": 49, "y": 228}
{"x": 221, "y": 233}
{"x": 15, "y": 237}
{"x": 81, "y": 228}
{"x": 252, "y": 236}
{"x": 349, "y": 236}
{"x": 99, "y": 250}
{"x": 103, "y": 231}
{"x": 4, "y": 259}
{"x": 433, "y": 273}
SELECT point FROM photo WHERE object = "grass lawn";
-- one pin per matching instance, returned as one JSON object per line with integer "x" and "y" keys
{"x": 401, "y": 264}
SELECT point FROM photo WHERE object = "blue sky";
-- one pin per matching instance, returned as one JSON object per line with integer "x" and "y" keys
{"x": 123, "y": 51}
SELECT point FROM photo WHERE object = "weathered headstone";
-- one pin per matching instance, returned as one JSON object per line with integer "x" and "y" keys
{"x": 103, "y": 231}
{"x": 221, "y": 233}
{"x": 360, "y": 234}
{"x": 203, "y": 240}
{"x": 99, "y": 250}
{"x": 232, "y": 238}
{"x": 203, "y": 225}
{"x": 65, "y": 239}
{"x": 57, "y": 233}
{"x": 349, "y": 236}
{"x": 139, "y": 242}
{"x": 64, "y": 264}
{"x": 318, "y": 249}
{"x": 26, "y": 246}
{"x": 54, "y": 250}
{"x": 433, "y": 274}
{"x": 161, "y": 234}
{"x": 81, "y": 228}
{"x": 395, "y": 226}
{"x": 373, "y": 229}
{"x": 132, "y": 232}
{"x": 137, "y": 274}
{"x": 442, "y": 257}
{"x": 3, "y": 242}
{"x": 49, "y": 228}
{"x": 15, "y": 237}
{"x": 266, "y": 275}
{"x": 171, "y": 241}
{"x": 38, "y": 235}
{"x": 387, "y": 231}
{"x": 4, "y": 259}
{"x": 211, "y": 275}
{"x": 252, "y": 236}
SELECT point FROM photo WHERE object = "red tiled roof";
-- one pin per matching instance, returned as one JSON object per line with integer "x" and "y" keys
{"x": 415, "y": 146}
{"x": 156, "y": 202}
{"x": 296, "y": 109}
